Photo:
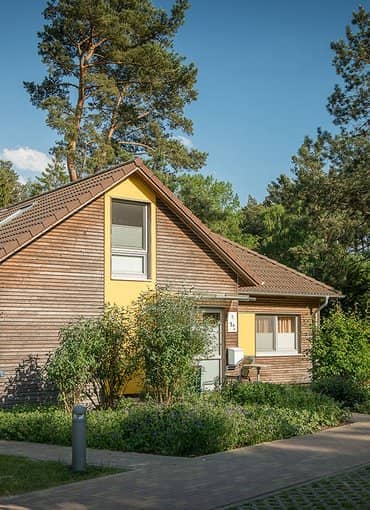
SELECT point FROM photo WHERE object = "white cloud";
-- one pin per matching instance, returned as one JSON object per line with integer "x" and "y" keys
{"x": 22, "y": 179}
{"x": 25, "y": 158}
{"x": 186, "y": 142}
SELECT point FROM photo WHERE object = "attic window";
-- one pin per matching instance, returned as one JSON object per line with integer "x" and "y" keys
{"x": 130, "y": 238}
{"x": 15, "y": 214}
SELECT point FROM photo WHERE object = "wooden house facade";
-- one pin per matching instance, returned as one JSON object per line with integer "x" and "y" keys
{"x": 110, "y": 236}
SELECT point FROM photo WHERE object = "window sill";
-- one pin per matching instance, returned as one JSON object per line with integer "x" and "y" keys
{"x": 130, "y": 279}
{"x": 275, "y": 353}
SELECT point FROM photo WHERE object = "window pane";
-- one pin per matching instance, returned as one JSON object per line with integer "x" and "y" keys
{"x": 286, "y": 324}
{"x": 128, "y": 225}
{"x": 286, "y": 342}
{"x": 265, "y": 341}
{"x": 264, "y": 324}
{"x": 286, "y": 337}
{"x": 215, "y": 333}
{"x": 127, "y": 237}
{"x": 264, "y": 334}
{"x": 123, "y": 264}
{"x": 210, "y": 374}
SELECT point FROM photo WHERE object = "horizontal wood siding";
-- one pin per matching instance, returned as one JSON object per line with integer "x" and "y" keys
{"x": 183, "y": 260}
{"x": 286, "y": 369}
{"x": 54, "y": 280}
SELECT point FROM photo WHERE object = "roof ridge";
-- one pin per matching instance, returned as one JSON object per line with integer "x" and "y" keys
{"x": 173, "y": 198}
{"x": 71, "y": 183}
{"x": 275, "y": 262}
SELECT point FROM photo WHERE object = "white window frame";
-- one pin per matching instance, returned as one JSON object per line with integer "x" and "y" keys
{"x": 275, "y": 351}
{"x": 132, "y": 252}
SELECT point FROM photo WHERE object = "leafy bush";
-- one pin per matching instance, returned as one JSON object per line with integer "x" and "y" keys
{"x": 341, "y": 347}
{"x": 170, "y": 333}
{"x": 349, "y": 392}
{"x": 201, "y": 425}
{"x": 95, "y": 359}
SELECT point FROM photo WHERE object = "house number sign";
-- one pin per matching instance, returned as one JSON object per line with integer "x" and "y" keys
{"x": 232, "y": 322}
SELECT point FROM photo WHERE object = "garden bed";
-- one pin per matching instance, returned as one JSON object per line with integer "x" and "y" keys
{"x": 239, "y": 415}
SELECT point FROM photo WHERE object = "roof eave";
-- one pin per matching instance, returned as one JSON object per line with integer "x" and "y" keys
{"x": 252, "y": 292}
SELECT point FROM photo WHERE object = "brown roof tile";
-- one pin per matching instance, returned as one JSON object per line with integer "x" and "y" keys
{"x": 52, "y": 207}
{"x": 276, "y": 278}
{"x": 259, "y": 274}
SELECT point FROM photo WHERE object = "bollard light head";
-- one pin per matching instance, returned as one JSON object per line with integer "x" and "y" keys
{"x": 79, "y": 409}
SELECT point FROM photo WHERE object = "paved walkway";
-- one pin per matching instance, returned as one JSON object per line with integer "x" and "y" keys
{"x": 210, "y": 482}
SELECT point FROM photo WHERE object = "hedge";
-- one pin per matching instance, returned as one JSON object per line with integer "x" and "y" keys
{"x": 211, "y": 423}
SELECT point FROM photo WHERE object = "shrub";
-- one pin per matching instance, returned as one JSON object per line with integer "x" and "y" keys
{"x": 349, "y": 392}
{"x": 95, "y": 359}
{"x": 170, "y": 334}
{"x": 202, "y": 425}
{"x": 274, "y": 395}
{"x": 341, "y": 347}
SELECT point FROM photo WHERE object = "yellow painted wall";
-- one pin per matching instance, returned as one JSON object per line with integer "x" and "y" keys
{"x": 123, "y": 292}
{"x": 247, "y": 333}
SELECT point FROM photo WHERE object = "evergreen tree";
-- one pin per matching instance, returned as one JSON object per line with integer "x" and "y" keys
{"x": 317, "y": 220}
{"x": 350, "y": 104}
{"x": 214, "y": 202}
{"x": 115, "y": 87}
{"x": 52, "y": 177}
{"x": 10, "y": 187}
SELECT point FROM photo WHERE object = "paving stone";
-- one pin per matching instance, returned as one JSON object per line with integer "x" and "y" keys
{"x": 204, "y": 483}
{"x": 347, "y": 490}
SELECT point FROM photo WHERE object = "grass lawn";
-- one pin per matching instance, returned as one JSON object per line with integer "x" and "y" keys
{"x": 344, "y": 491}
{"x": 19, "y": 474}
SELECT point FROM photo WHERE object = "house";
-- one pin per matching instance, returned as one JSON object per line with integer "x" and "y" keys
{"x": 108, "y": 237}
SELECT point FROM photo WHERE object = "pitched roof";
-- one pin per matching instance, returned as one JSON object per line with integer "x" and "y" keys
{"x": 22, "y": 223}
{"x": 52, "y": 207}
{"x": 276, "y": 278}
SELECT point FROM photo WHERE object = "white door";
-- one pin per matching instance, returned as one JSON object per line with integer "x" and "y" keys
{"x": 210, "y": 376}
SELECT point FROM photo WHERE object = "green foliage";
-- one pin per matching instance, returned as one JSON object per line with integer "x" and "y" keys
{"x": 95, "y": 359}
{"x": 10, "y": 187}
{"x": 274, "y": 395}
{"x": 350, "y": 105}
{"x": 169, "y": 333}
{"x": 317, "y": 221}
{"x": 52, "y": 177}
{"x": 202, "y": 425}
{"x": 115, "y": 87}
{"x": 349, "y": 392}
{"x": 214, "y": 202}
{"x": 341, "y": 347}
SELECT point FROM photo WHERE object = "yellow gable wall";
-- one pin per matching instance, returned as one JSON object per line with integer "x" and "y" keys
{"x": 123, "y": 292}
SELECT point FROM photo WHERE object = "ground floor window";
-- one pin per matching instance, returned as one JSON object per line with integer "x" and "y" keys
{"x": 276, "y": 334}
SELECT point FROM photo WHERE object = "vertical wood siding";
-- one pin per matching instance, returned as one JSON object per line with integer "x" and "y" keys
{"x": 54, "y": 280}
{"x": 183, "y": 260}
{"x": 286, "y": 369}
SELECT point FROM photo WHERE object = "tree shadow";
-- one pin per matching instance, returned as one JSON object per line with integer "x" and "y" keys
{"x": 28, "y": 385}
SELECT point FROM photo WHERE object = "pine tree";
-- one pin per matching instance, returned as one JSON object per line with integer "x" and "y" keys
{"x": 10, "y": 187}
{"x": 52, "y": 177}
{"x": 115, "y": 87}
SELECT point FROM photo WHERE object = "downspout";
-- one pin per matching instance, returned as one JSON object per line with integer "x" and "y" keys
{"x": 321, "y": 307}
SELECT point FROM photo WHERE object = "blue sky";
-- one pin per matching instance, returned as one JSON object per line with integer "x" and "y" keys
{"x": 264, "y": 77}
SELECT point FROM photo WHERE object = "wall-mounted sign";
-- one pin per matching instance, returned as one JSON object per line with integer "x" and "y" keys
{"x": 232, "y": 322}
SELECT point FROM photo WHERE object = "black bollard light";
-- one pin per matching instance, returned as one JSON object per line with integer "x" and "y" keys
{"x": 79, "y": 438}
